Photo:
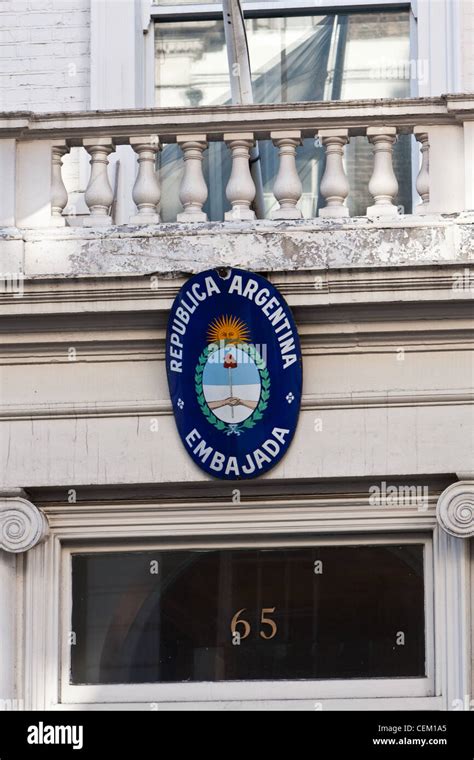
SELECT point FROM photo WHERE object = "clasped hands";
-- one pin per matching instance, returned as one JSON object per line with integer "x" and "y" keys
{"x": 232, "y": 401}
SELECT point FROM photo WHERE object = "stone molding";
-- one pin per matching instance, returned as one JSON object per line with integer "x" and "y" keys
{"x": 22, "y": 524}
{"x": 455, "y": 509}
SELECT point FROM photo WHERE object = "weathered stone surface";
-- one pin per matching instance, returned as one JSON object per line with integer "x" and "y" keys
{"x": 261, "y": 245}
{"x": 11, "y": 256}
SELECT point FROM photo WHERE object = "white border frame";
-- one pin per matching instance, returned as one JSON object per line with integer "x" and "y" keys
{"x": 238, "y": 691}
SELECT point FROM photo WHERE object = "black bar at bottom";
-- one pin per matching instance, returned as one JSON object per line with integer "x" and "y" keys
{"x": 138, "y": 734}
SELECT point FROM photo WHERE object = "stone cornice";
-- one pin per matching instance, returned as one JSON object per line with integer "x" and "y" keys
{"x": 261, "y": 118}
{"x": 433, "y": 281}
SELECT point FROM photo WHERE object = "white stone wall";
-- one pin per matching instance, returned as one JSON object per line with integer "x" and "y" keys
{"x": 387, "y": 373}
{"x": 44, "y": 55}
{"x": 467, "y": 45}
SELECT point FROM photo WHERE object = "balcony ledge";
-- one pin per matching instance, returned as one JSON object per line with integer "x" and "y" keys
{"x": 264, "y": 245}
{"x": 259, "y": 118}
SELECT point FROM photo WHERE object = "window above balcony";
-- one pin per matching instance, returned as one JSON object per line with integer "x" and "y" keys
{"x": 293, "y": 57}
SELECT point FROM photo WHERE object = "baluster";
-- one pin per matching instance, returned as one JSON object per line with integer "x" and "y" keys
{"x": 240, "y": 190}
{"x": 59, "y": 194}
{"x": 146, "y": 190}
{"x": 383, "y": 185}
{"x": 334, "y": 184}
{"x": 423, "y": 179}
{"x": 98, "y": 195}
{"x": 193, "y": 188}
{"x": 287, "y": 188}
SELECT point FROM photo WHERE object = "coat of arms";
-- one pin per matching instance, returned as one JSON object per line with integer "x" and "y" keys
{"x": 234, "y": 369}
{"x": 232, "y": 381}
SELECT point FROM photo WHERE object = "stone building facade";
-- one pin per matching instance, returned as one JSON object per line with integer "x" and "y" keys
{"x": 92, "y": 467}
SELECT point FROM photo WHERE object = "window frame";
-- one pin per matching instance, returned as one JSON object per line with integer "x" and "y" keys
{"x": 274, "y": 7}
{"x": 435, "y": 36}
{"x": 106, "y": 516}
{"x": 336, "y": 693}
{"x": 435, "y": 33}
{"x": 267, "y": 9}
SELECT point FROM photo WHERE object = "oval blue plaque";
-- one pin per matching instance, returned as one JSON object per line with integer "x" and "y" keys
{"x": 234, "y": 369}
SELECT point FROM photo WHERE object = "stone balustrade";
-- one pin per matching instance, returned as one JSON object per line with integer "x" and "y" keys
{"x": 32, "y": 148}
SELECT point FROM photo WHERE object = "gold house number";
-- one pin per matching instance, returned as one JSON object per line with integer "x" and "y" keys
{"x": 264, "y": 620}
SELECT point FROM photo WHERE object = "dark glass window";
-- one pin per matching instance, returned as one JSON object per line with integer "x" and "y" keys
{"x": 305, "y": 613}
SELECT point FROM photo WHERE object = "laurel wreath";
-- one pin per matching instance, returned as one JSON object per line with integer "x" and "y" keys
{"x": 257, "y": 414}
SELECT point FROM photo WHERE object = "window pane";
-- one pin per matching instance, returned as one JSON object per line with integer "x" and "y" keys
{"x": 294, "y": 58}
{"x": 191, "y": 64}
{"x": 312, "y": 613}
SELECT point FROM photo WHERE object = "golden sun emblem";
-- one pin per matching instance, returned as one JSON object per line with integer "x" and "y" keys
{"x": 228, "y": 329}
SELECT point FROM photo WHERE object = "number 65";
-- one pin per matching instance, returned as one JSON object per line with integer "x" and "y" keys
{"x": 246, "y": 625}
